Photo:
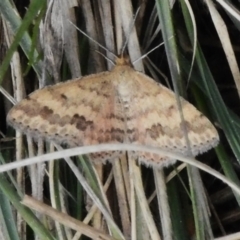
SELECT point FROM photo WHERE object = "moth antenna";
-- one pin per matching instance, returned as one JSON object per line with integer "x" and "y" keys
{"x": 93, "y": 40}
{"x": 146, "y": 54}
{"x": 108, "y": 59}
{"x": 131, "y": 28}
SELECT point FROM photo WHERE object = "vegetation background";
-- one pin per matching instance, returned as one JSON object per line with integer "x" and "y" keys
{"x": 199, "y": 60}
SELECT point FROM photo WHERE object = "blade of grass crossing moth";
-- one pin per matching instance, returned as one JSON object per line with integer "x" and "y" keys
{"x": 202, "y": 221}
{"x": 173, "y": 60}
{"x": 169, "y": 34}
{"x": 164, "y": 14}
{"x": 226, "y": 165}
{"x": 204, "y": 214}
{"x": 217, "y": 105}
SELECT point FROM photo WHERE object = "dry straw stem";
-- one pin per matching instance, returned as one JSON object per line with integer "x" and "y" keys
{"x": 176, "y": 171}
{"x": 140, "y": 194}
{"x": 222, "y": 31}
{"x": 98, "y": 198}
{"x": 235, "y": 236}
{"x": 94, "y": 208}
{"x": 163, "y": 205}
{"x": 122, "y": 198}
{"x": 230, "y": 9}
{"x": 113, "y": 147}
{"x": 64, "y": 219}
{"x": 56, "y": 191}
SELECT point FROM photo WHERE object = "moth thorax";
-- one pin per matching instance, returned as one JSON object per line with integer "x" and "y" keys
{"x": 124, "y": 93}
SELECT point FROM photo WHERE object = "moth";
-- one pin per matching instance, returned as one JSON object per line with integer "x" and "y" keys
{"x": 117, "y": 106}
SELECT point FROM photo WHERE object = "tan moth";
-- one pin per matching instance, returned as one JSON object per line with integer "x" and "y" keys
{"x": 120, "y": 106}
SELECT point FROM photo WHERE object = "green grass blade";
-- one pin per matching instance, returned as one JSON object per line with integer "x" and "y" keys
{"x": 19, "y": 28}
{"x": 6, "y": 215}
{"x": 26, "y": 213}
{"x": 177, "y": 214}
